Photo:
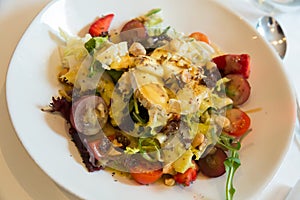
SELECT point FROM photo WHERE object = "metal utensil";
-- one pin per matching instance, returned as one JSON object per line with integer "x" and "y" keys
{"x": 270, "y": 29}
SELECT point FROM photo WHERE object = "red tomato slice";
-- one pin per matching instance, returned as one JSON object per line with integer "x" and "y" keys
{"x": 188, "y": 176}
{"x": 239, "y": 122}
{"x": 147, "y": 177}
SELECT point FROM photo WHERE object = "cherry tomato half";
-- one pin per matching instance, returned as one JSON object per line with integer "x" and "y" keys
{"x": 239, "y": 122}
{"x": 188, "y": 176}
{"x": 199, "y": 37}
{"x": 145, "y": 172}
{"x": 147, "y": 177}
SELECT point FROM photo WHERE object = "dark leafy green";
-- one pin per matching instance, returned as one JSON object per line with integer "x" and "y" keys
{"x": 90, "y": 45}
{"x": 114, "y": 74}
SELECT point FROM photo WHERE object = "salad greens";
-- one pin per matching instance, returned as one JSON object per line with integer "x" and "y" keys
{"x": 161, "y": 101}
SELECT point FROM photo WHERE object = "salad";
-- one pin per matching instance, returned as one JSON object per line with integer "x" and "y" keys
{"x": 153, "y": 102}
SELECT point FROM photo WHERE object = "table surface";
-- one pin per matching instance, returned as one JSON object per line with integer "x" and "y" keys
{"x": 21, "y": 178}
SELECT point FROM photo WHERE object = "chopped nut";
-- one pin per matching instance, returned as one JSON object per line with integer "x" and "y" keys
{"x": 169, "y": 181}
{"x": 222, "y": 121}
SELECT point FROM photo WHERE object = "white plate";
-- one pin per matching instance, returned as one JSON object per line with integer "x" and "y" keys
{"x": 31, "y": 82}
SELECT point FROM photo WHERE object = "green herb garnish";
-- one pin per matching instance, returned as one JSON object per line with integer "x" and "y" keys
{"x": 232, "y": 163}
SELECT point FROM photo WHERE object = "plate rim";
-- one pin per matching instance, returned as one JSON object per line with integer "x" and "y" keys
{"x": 9, "y": 96}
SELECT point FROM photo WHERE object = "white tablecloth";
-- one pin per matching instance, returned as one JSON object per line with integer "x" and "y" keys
{"x": 21, "y": 178}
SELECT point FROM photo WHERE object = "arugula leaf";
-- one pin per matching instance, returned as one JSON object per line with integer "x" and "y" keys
{"x": 232, "y": 163}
